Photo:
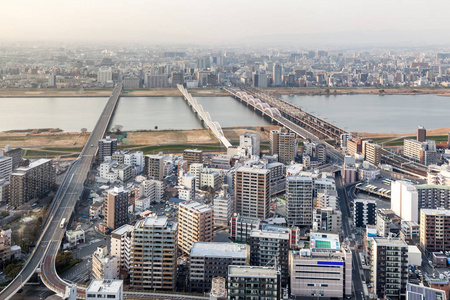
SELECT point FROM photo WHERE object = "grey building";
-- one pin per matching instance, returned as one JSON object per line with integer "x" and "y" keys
{"x": 256, "y": 282}
{"x": 299, "y": 200}
{"x": 106, "y": 147}
{"x": 208, "y": 260}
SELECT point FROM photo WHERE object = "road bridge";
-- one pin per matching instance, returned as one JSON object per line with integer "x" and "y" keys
{"x": 43, "y": 257}
{"x": 204, "y": 116}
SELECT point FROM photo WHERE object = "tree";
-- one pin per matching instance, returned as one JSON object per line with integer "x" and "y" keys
{"x": 12, "y": 270}
{"x": 327, "y": 91}
{"x": 262, "y": 129}
{"x": 83, "y": 130}
{"x": 63, "y": 259}
{"x": 117, "y": 128}
{"x": 156, "y": 127}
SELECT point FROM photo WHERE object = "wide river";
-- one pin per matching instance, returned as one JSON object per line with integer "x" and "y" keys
{"x": 369, "y": 113}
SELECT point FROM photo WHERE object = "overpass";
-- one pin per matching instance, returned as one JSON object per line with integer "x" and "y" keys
{"x": 204, "y": 116}
{"x": 276, "y": 116}
{"x": 43, "y": 257}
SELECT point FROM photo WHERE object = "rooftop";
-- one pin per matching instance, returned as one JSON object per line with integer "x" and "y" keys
{"x": 34, "y": 164}
{"x": 107, "y": 286}
{"x": 219, "y": 250}
{"x": 380, "y": 241}
{"x": 438, "y": 211}
{"x": 123, "y": 229}
{"x": 252, "y": 271}
{"x": 278, "y": 234}
{"x": 193, "y": 205}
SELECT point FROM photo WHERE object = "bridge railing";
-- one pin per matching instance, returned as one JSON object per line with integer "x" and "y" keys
{"x": 205, "y": 116}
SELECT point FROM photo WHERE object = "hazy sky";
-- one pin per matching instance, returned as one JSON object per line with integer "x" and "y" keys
{"x": 226, "y": 21}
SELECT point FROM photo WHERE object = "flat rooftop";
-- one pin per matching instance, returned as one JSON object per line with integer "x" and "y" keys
{"x": 389, "y": 242}
{"x": 123, "y": 229}
{"x": 106, "y": 286}
{"x": 436, "y": 212}
{"x": 219, "y": 250}
{"x": 251, "y": 271}
{"x": 194, "y": 205}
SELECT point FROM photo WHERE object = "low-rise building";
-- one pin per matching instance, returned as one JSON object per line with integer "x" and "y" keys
{"x": 75, "y": 237}
{"x": 105, "y": 266}
{"x": 105, "y": 289}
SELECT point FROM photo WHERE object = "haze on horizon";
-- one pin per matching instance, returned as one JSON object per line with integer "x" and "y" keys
{"x": 322, "y": 22}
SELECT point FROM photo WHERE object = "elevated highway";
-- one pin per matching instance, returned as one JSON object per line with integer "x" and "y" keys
{"x": 44, "y": 254}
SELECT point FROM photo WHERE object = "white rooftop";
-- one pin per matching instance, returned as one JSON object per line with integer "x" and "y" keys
{"x": 123, "y": 229}
{"x": 219, "y": 250}
{"x": 194, "y": 205}
{"x": 106, "y": 286}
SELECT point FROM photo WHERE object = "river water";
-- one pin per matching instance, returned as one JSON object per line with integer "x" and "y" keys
{"x": 374, "y": 113}
{"x": 368, "y": 113}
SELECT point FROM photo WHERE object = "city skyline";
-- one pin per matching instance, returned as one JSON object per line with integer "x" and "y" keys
{"x": 348, "y": 22}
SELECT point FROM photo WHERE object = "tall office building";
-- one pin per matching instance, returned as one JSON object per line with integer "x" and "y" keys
{"x": 299, "y": 200}
{"x": 365, "y": 212}
{"x": 435, "y": 230}
{"x": 373, "y": 153}
{"x": 277, "y": 72}
{"x": 389, "y": 272}
{"x": 193, "y": 156}
{"x": 116, "y": 208}
{"x": 154, "y": 167}
{"x": 421, "y": 134}
{"x": 284, "y": 144}
{"x": 106, "y": 147}
{"x": 250, "y": 141}
{"x": 104, "y": 75}
{"x": 153, "y": 256}
{"x": 32, "y": 181}
{"x": 195, "y": 224}
{"x": 6, "y": 166}
{"x": 245, "y": 282}
{"x": 252, "y": 192}
{"x": 209, "y": 260}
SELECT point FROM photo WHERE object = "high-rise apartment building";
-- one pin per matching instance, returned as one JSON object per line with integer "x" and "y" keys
{"x": 404, "y": 200}
{"x": 252, "y": 192}
{"x": 373, "y": 153}
{"x": 389, "y": 272}
{"x": 120, "y": 244}
{"x": 250, "y": 141}
{"x": 32, "y": 181}
{"x": 421, "y": 134}
{"x": 299, "y": 200}
{"x": 116, "y": 208}
{"x": 245, "y": 282}
{"x": 435, "y": 230}
{"x": 153, "y": 255}
{"x": 271, "y": 248}
{"x": 104, "y": 75}
{"x": 423, "y": 152}
{"x": 106, "y": 147}
{"x": 284, "y": 144}
{"x": 157, "y": 81}
{"x": 154, "y": 167}
{"x": 177, "y": 78}
{"x": 195, "y": 224}
{"x": 15, "y": 154}
{"x": 364, "y": 212}
{"x": 193, "y": 156}
{"x": 6, "y": 166}
{"x": 223, "y": 208}
{"x": 208, "y": 260}
{"x": 4, "y": 191}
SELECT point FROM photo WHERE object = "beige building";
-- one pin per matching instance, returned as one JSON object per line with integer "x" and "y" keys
{"x": 153, "y": 254}
{"x": 32, "y": 181}
{"x": 105, "y": 266}
{"x": 284, "y": 144}
{"x": 373, "y": 153}
{"x": 5, "y": 244}
{"x": 116, "y": 208}
{"x": 195, "y": 224}
{"x": 252, "y": 192}
{"x": 120, "y": 244}
{"x": 434, "y": 229}
{"x": 154, "y": 166}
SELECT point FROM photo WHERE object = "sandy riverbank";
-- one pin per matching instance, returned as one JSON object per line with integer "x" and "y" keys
{"x": 215, "y": 92}
{"x": 430, "y": 132}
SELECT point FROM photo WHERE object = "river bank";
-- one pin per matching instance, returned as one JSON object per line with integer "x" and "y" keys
{"x": 211, "y": 92}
